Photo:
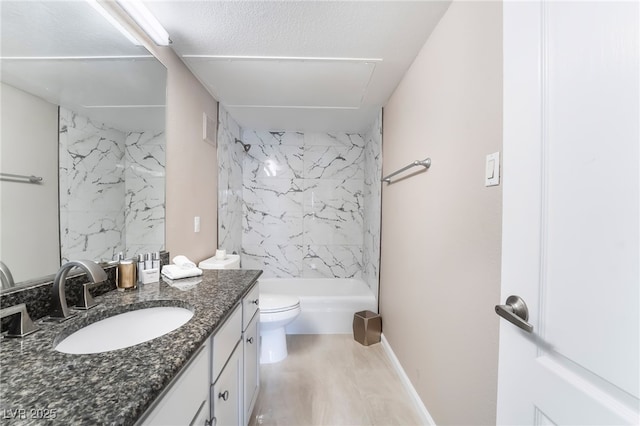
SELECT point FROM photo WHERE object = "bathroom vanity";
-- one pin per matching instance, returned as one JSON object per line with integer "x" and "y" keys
{"x": 205, "y": 372}
{"x": 220, "y": 385}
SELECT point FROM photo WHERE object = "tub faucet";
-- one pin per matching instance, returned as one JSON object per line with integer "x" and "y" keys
{"x": 95, "y": 273}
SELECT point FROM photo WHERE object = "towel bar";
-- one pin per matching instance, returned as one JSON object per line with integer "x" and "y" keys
{"x": 426, "y": 163}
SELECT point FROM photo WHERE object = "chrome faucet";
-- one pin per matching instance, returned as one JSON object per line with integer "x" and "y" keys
{"x": 95, "y": 273}
{"x": 21, "y": 324}
{"x": 6, "y": 279}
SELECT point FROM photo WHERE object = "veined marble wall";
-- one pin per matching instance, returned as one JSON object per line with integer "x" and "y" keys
{"x": 372, "y": 205}
{"x": 144, "y": 192}
{"x": 303, "y": 204}
{"x": 92, "y": 212}
{"x": 111, "y": 190}
{"x": 230, "y": 163}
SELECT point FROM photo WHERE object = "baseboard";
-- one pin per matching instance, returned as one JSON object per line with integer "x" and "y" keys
{"x": 422, "y": 410}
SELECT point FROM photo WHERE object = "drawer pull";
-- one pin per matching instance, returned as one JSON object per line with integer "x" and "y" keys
{"x": 250, "y": 340}
{"x": 256, "y": 302}
{"x": 224, "y": 395}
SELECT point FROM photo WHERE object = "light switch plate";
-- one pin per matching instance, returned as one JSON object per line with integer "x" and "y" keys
{"x": 196, "y": 224}
{"x": 492, "y": 172}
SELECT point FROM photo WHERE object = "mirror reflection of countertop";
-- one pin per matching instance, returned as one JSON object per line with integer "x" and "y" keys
{"x": 38, "y": 383}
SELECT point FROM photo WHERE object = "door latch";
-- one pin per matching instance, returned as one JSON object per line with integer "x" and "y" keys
{"x": 515, "y": 311}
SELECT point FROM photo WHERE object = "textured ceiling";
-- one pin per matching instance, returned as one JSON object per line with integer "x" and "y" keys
{"x": 68, "y": 54}
{"x": 299, "y": 65}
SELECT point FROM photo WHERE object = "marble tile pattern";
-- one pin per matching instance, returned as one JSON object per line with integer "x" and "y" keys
{"x": 92, "y": 188}
{"x": 296, "y": 204}
{"x": 115, "y": 387}
{"x": 372, "y": 199}
{"x": 145, "y": 163}
{"x": 332, "y": 380}
{"x": 230, "y": 164}
{"x": 303, "y": 204}
{"x": 111, "y": 190}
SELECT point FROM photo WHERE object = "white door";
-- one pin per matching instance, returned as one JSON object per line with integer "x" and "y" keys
{"x": 571, "y": 213}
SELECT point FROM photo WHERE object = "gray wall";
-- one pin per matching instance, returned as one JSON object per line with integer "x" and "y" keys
{"x": 30, "y": 242}
{"x": 441, "y": 230}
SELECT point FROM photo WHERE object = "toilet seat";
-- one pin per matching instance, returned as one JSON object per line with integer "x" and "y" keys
{"x": 275, "y": 303}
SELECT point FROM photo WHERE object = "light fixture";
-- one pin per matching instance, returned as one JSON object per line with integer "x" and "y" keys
{"x": 145, "y": 19}
{"x": 113, "y": 21}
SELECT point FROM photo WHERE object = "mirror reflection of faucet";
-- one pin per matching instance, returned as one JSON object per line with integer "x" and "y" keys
{"x": 59, "y": 310}
{"x": 6, "y": 279}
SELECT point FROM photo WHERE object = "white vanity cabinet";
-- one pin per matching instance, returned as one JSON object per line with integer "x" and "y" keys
{"x": 251, "y": 345}
{"x": 235, "y": 364}
{"x": 186, "y": 401}
{"x": 220, "y": 385}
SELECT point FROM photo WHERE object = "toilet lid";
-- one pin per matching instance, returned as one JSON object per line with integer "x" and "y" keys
{"x": 278, "y": 302}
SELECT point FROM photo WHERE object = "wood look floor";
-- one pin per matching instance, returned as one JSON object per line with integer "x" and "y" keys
{"x": 332, "y": 380}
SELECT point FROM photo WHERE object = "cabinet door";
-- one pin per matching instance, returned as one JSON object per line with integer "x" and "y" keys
{"x": 185, "y": 400}
{"x": 202, "y": 418}
{"x": 251, "y": 344}
{"x": 226, "y": 402}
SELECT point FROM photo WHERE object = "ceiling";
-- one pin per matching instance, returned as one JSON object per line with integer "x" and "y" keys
{"x": 66, "y": 53}
{"x": 299, "y": 65}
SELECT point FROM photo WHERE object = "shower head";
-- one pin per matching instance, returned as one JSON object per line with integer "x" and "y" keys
{"x": 246, "y": 146}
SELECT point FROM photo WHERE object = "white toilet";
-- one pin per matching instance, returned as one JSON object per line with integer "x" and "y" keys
{"x": 276, "y": 311}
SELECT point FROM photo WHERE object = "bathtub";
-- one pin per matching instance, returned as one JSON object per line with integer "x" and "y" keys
{"x": 327, "y": 304}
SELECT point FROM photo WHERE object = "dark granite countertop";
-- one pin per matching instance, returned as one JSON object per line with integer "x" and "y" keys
{"x": 112, "y": 387}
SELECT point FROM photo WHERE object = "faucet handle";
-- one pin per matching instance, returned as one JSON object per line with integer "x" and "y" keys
{"x": 21, "y": 325}
{"x": 87, "y": 301}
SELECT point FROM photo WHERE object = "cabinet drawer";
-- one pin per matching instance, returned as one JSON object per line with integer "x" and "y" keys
{"x": 224, "y": 341}
{"x": 250, "y": 305}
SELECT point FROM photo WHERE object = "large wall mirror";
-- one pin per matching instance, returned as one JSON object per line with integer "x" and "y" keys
{"x": 83, "y": 108}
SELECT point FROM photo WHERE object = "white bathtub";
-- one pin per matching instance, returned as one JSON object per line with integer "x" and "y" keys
{"x": 327, "y": 304}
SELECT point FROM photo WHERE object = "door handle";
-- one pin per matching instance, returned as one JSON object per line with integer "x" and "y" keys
{"x": 515, "y": 311}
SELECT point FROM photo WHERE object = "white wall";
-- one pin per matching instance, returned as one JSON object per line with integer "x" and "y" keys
{"x": 29, "y": 242}
{"x": 441, "y": 229}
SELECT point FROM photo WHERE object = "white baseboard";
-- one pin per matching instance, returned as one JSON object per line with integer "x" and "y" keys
{"x": 422, "y": 410}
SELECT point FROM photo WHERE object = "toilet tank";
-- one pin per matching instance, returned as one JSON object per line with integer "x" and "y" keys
{"x": 232, "y": 261}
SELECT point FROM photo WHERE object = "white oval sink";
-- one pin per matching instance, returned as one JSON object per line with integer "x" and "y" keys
{"x": 125, "y": 330}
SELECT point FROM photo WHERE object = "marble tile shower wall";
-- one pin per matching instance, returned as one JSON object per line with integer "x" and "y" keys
{"x": 230, "y": 159}
{"x": 92, "y": 213}
{"x": 144, "y": 192}
{"x": 111, "y": 189}
{"x": 303, "y": 210}
{"x": 372, "y": 205}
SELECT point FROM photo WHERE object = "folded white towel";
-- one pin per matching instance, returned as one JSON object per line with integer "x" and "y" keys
{"x": 175, "y": 272}
{"x": 184, "y": 284}
{"x": 183, "y": 262}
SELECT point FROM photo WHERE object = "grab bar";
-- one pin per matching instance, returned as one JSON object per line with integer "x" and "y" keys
{"x": 426, "y": 163}
{"x": 12, "y": 177}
